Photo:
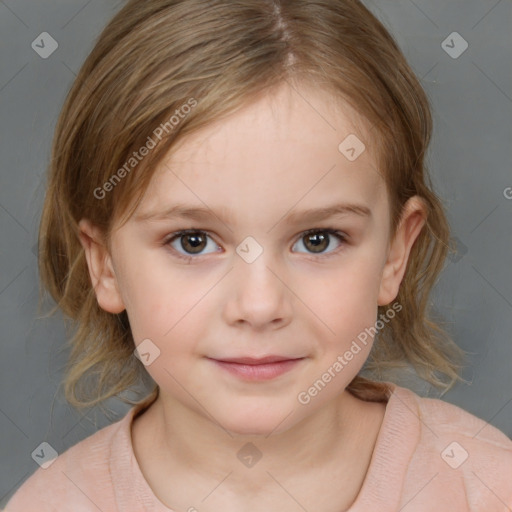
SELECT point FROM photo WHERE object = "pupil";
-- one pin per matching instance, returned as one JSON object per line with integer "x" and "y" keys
{"x": 319, "y": 242}
{"x": 194, "y": 241}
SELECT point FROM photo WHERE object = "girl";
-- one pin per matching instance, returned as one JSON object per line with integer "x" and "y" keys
{"x": 239, "y": 214}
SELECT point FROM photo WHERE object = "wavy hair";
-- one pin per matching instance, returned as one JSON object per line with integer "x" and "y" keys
{"x": 152, "y": 58}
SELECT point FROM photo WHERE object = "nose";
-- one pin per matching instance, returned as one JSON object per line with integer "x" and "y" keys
{"x": 257, "y": 295}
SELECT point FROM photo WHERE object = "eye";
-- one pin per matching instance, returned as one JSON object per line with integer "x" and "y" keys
{"x": 318, "y": 240}
{"x": 189, "y": 242}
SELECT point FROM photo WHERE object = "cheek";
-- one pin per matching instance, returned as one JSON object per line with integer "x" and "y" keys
{"x": 345, "y": 300}
{"x": 155, "y": 299}
{"x": 173, "y": 308}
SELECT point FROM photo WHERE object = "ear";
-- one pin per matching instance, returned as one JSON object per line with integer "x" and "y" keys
{"x": 414, "y": 215}
{"x": 100, "y": 266}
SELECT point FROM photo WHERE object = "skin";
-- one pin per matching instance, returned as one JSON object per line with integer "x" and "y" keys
{"x": 276, "y": 156}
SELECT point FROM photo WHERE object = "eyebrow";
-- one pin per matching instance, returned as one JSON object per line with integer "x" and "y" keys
{"x": 204, "y": 213}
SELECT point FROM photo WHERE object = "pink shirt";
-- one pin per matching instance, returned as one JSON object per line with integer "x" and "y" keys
{"x": 429, "y": 456}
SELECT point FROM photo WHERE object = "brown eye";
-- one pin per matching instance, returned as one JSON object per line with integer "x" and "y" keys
{"x": 193, "y": 243}
{"x": 316, "y": 241}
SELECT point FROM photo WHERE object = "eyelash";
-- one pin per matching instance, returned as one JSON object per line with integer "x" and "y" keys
{"x": 342, "y": 237}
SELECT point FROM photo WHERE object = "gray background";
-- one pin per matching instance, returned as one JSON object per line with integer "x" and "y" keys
{"x": 470, "y": 161}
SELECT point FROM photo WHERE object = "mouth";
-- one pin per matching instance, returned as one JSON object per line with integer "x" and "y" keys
{"x": 257, "y": 369}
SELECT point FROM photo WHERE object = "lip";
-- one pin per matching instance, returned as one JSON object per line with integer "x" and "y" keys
{"x": 256, "y": 360}
{"x": 257, "y": 369}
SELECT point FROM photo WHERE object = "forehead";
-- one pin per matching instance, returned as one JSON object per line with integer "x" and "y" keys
{"x": 288, "y": 145}
{"x": 288, "y": 115}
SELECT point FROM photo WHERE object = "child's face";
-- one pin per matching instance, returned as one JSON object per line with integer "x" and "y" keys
{"x": 253, "y": 172}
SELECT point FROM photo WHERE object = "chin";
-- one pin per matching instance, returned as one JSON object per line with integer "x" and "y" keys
{"x": 258, "y": 423}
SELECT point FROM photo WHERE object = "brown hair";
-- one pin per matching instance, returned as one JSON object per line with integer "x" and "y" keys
{"x": 156, "y": 56}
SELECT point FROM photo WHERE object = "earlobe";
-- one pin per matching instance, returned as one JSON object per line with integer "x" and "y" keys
{"x": 413, "y": 219}
{"x": 101, "y": 270}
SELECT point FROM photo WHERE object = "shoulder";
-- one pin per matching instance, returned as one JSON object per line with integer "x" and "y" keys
{"x": 80, "y": 475}
{"x": 466, "y": 459}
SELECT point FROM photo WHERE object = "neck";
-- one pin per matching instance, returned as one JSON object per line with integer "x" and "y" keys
{"x": 337, "y": 437}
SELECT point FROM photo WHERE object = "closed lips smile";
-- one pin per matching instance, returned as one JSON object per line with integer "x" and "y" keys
{"x": 257, "y": 369}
